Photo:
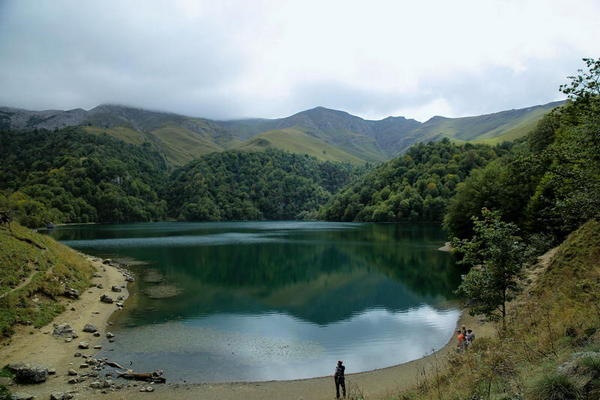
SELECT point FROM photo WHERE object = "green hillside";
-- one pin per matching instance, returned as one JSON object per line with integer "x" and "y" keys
{"x": 295, "y": 141}
{"x": 35, "y": 271}
{"x": 413, "y": 187}
{"x": 490, "y": 128}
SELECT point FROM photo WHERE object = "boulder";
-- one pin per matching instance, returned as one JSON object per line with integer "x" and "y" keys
{"x": 62, "y": 330}
{"x": 97, "y": 334}
{"x": 84, "y": 345}
{"x": 60, "y": 396}
{"x": 72, "y": 372}
{"x": 106, "y": 299}
{"x": 28, "y": 373}
{"x": 116, "y": 289}
{"x": 89, "y": 328}
{"x": 71, "y": 293}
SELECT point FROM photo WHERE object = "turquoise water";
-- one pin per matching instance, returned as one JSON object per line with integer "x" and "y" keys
{"x": 276, "y": 300}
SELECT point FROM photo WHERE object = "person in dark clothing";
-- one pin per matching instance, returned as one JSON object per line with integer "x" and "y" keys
{"x": 339, "y": 379}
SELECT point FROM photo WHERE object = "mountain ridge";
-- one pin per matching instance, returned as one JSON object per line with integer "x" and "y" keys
{"x": 183, "y": 138}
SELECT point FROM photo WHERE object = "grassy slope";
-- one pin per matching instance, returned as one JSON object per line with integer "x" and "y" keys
{"x": 125, "y": 134}
{"x": 181, "y": 145}
{"x": 296, "y": 141}
{"x": 182, "y": 139}
{"x": 488, "y": 129}
{"x": 178, "y": 144}
{"x": 34, "y": 276}
{"x": 557, "y": 315}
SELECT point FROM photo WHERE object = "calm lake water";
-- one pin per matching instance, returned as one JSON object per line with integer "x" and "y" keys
{"x": 276, "y": 300}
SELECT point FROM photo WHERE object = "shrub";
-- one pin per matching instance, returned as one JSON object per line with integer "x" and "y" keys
{"x": 555, "y": 387}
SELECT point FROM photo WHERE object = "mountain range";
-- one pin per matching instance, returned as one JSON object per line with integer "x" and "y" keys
{"x": 321, "y": 132}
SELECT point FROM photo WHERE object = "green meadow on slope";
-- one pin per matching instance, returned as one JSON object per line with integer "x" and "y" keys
{"x": 35, "y": 271}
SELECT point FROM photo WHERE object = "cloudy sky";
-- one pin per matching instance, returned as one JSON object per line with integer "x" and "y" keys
{"x": 232, "y": 59}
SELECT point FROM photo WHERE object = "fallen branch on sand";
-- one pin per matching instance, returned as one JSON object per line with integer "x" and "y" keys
{"x": 155, "y": 377}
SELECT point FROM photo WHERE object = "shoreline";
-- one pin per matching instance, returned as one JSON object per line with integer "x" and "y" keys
{"x": 26, "y": 344}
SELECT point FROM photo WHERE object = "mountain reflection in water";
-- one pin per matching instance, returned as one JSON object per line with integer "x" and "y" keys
{"x": 278, "y": 300}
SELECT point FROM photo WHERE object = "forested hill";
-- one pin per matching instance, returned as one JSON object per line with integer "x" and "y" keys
{"x": 328, "y": 135}
{"x": 248, "y": 186}
{"x": 71, "y": 175}
{"x": 413, "y": 187}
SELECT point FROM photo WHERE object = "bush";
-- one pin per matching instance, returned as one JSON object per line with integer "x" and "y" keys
{"x": 555, "y": 387}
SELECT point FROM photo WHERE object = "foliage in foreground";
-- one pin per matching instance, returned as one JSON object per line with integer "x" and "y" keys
{"x": 495, "y": 254}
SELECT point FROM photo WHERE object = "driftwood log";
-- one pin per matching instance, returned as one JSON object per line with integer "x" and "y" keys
{"x": 113, "y": 364}
{"x": 155, "y": 376}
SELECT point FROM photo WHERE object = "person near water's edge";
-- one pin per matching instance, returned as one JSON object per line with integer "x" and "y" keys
{"x": 339, "y": 379}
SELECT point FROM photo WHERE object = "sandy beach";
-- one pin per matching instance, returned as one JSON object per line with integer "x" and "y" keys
{"x": 39, "y": 346}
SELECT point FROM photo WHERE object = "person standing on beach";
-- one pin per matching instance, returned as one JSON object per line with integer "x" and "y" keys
{"x": 339, "y": 380}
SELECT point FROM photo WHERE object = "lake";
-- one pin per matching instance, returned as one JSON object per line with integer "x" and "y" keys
{"x": 255, "y": 301}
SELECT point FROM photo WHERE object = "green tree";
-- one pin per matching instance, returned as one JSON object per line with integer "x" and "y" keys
{"x": 495, "y": 254}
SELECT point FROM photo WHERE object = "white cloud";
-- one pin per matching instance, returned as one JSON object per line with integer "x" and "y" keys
{"x": 265, "y": 58}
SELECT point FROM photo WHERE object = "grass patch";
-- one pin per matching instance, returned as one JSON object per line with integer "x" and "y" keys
{"x": 555, "y": 387}
{"x": 35, "y": 270}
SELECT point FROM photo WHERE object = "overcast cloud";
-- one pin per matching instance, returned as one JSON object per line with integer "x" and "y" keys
{"x": 232, "y": 59}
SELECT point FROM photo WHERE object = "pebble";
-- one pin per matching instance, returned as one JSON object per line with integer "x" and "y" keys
{"x": 84, "y": 345}
{"x": 98, "y": 347}
{"x": 72, "y": 372}
{"x": 84, "y": 365}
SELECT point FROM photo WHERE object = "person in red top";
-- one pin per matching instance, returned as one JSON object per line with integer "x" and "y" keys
{"x": 461, "y": 340}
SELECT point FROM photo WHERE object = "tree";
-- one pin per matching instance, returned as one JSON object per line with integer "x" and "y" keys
{"x": 496, "y": 254}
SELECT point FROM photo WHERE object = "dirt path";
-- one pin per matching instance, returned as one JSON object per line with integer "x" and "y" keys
{"x": 26, "y": 281}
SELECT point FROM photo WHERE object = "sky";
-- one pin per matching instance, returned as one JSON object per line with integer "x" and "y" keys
{"x": 235, "y": 59}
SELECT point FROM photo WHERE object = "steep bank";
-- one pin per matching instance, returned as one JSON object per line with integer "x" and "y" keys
{"x": 551, "y": 348}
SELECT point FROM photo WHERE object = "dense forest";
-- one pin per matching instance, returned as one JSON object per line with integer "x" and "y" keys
{"x": 72, "y": 176}
{"x": 253, "y": 185}
{"x": 412, "y": 187}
